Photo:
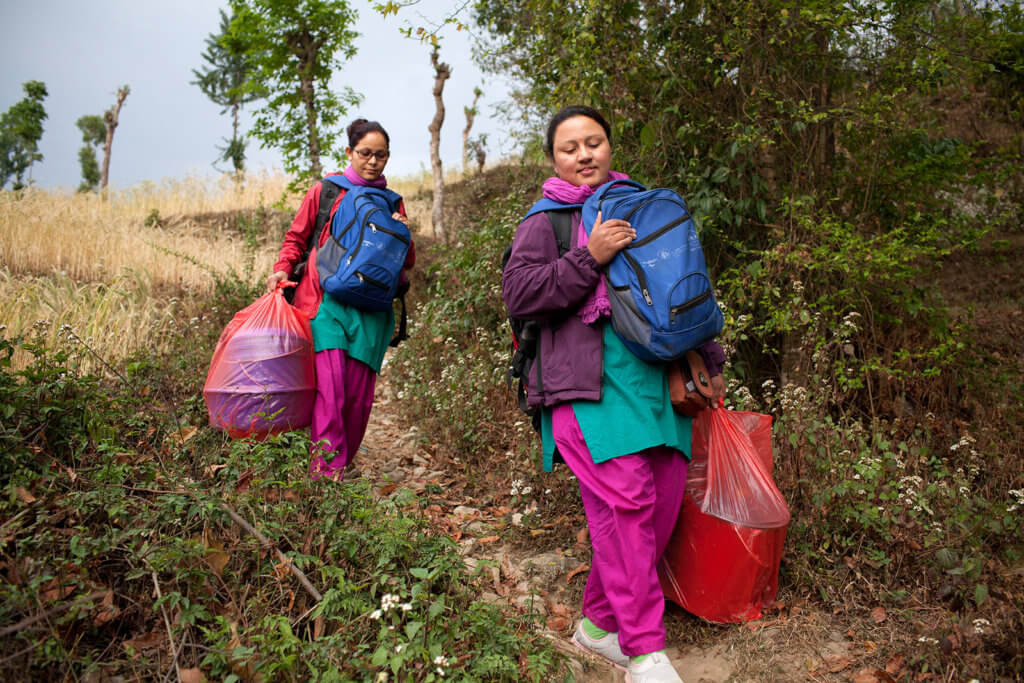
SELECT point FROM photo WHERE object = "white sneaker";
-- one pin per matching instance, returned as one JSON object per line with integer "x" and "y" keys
{"x": 606, "y": 646}
{"x": 655, "y": 668}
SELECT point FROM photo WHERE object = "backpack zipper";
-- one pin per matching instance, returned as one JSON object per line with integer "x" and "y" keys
{"x": 374, "y": 227}
{"x": 683, "y": 307}
{"x": 363, "y": 277}
{"x": 658, "y": 233}
{"x": 640, "y": 277}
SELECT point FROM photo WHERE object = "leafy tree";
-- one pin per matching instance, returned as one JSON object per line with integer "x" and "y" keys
{"x": 21, "y": 128}
{"x": 293, "y": 47}
{"x": 94, "y": 134}
{"x": 227, "y": 80}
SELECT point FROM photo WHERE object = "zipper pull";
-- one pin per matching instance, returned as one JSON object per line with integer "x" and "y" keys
{"x": 647, "y": 297}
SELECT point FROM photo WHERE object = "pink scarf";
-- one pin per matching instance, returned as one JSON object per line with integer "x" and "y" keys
{"x": 356, "y": 179}
{"x": 597, "y": 305}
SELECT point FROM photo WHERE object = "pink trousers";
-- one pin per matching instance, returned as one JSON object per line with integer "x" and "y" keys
{"x": 632, "y": 503}
{"x": 341, "y": 411}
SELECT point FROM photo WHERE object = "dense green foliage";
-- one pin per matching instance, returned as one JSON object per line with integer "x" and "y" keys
{"x": 21, "y": 128}
{"x": 223, "y": 79}
{"x": 94, "y": 134}
{"x": 293, "y": 48}
{"x": 117, "y": 531}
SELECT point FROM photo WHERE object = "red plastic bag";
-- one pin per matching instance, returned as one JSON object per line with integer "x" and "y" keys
{"x": 262, "y": 379}
{"x": 730, "y": 474}
{"x": 722, "y": 562}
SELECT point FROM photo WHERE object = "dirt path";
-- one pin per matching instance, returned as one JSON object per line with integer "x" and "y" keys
{"x": 793, "y": 643}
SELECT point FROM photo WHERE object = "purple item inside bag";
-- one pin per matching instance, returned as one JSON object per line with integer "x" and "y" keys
{"x": 263, "y": 383}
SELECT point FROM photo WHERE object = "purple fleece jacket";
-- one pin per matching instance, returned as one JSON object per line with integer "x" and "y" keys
{"x": 538, "y": 285}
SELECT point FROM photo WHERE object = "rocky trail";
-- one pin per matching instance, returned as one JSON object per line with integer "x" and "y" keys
{"x": 793, "y": 642}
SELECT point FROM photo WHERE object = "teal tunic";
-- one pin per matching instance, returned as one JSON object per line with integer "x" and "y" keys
{"x": 363, "y": 335}
{"x": 634, "y": 413}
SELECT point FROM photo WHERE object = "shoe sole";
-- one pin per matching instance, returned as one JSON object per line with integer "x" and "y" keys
{"x": 580, "y": 646}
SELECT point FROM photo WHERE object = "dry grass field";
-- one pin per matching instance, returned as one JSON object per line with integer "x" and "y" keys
{"x": 114, "y": 271}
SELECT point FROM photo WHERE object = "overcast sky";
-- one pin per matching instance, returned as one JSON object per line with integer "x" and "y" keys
{"x": 84, "y": 51}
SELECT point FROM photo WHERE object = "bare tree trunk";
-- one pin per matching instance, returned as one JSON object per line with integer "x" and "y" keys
{"x": 470, "y": 115}
{"x": 311, "y": 129}
{"x": 110, "y": 120}
{"x": 441, "y": 73}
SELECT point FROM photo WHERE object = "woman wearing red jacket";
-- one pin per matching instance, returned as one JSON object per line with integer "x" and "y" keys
{"x": 350, "y": 343}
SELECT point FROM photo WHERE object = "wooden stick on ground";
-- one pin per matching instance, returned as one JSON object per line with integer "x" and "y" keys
{"x": 167, "y": 625}
{"x": 28, "y": 621}
{"x": 265, "y": 542}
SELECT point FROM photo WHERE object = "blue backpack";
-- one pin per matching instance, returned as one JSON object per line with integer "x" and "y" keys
{"x": 662, "y": 300}
{"x": 361, "y": 262}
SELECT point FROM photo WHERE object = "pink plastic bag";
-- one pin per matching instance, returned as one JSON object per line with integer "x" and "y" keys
{"x": 262, "y": 379}
{"x": 722, "y": 562}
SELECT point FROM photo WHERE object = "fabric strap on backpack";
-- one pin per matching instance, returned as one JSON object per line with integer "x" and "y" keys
{"x": 328, "y": 193}
{"x": 561, "y": 223}
{"x": 401, "y": 335}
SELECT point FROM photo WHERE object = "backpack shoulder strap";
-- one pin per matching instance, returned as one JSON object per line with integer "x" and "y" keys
{"x": 546, "y": 204}
{"x": 340, "y": 180}
{"x": 328, "y": 193}
{"x": 561, "y": 222}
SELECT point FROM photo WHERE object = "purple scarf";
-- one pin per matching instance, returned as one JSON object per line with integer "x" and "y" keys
{"x": 597, "y": 305}
{"x": 356, "y": 179}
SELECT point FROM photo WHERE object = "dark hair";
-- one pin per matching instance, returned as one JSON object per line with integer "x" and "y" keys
{"x": 568, "y": 113}
{"x": 360, "y": 128}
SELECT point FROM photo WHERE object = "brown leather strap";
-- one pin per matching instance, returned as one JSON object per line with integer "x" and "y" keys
{"x": 699, "y": 373}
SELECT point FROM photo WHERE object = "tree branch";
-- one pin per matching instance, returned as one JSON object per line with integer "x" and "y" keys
{"x": 266, "y": 543}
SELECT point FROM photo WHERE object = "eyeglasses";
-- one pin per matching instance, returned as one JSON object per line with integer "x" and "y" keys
{"x": 367, "y": 153}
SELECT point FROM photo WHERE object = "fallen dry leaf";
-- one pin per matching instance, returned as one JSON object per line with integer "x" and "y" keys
{"x": 487, "y": 539}
{"x": 895, "y": 664}
{"x": 578, "y": 570}
{"x": 191, "y": 676}
{"x": 107, "y": 612}
{"x": 837, "y": 663}
{"x": 55, "y": 591}
{"x": 864, "y": 676}
{"x": 878, "y": 614}
{"x": 558, "y": 623}
{"x": 582, "y": 536}
{"x": 215, "y": 555}
{"x": 145, "y": 641}
{"x": 24, "y": 496}
{"x": 243, "y": 482}
{"x": 559, "y": 609}
{"x": 318, "y": 627}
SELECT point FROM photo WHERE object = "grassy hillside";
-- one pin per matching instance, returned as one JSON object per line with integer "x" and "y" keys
{"x": 122, "y": 553}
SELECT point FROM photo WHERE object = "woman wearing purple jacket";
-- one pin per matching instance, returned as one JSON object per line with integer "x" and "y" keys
{"x": 605, "y": 411}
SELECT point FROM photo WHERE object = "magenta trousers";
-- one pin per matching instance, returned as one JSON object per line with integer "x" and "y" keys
{"x": 341, "y": 411}
{"x": 632, "y": 503}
